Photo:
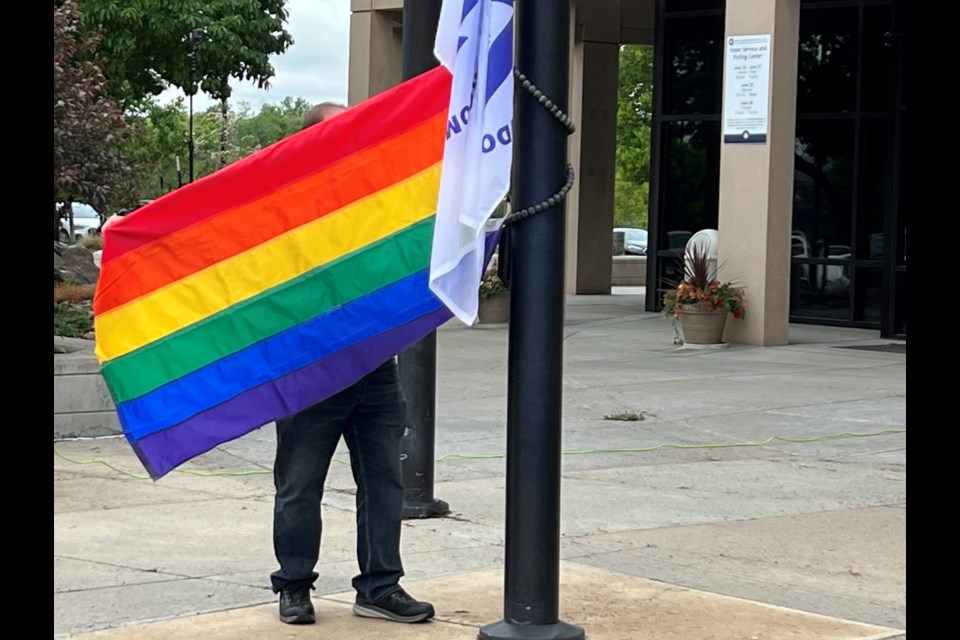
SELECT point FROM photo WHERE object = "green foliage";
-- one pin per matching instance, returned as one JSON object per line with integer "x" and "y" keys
{"x": 166, "y": 136}
{"x": 700, "y": 289}
{"x": 273, "y": 123}
{"x": 89, "y": 132}
{"x": 634, "y": 121}
{"x": 632, "y": 199}
{"x": 72, "y": 319}
{"x": 155, "y": 154}
{"x": 490, "y": 282}
{"x": 146, "y": 43}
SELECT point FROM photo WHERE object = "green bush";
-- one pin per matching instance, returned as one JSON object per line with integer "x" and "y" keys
{"x": 72, "y": 319}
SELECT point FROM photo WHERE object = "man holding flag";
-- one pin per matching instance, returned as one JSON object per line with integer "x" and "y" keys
{"x": 209, "y": 327}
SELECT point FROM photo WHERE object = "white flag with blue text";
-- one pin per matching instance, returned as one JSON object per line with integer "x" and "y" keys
{"x": 475, "y": 42}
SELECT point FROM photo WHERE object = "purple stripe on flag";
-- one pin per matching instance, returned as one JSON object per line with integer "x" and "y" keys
{"x": 164, "y": 450}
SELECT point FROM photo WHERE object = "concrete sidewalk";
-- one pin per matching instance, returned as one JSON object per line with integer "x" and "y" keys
{"x": 762, "y": 494}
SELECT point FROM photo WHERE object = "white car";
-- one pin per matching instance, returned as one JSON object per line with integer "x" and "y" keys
{"x": 634, "y": 240}
{"x": 86, "y": 221}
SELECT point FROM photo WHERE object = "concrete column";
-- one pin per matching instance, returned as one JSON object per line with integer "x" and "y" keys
{"x": 756, "y": 183}
{"x": 592, "y": 148}
{"x": 598, "y": 144}
{"x": 376, "y": 47}
{"x": 572, "y": 208}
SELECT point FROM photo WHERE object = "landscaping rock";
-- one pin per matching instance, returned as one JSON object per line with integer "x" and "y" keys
{"x": 74, "y": 265}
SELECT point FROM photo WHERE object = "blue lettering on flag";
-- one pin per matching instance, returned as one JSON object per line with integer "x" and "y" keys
{"x": 489, "y": 142}
{"x": 453, "y": 127}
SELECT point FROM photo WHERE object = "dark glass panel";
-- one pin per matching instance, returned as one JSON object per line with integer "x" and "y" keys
{"x": 826, "y": 76}
{"x": 877, "y": 45}
{"x": 694, "y": 65}
{"x": 873, "y": 190}
{"x": 900, "y": 307}
{"x": 692, "y": 5}
{"x": 869, "y": 295}
{"x": 691, "y": 180}
{"x": 820, "y": 291}
{"x": 902, "y": 203}
{"x": 823, "y": 185}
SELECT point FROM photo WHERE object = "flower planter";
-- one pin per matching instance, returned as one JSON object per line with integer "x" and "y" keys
{"x": 702, "y": 327}
{"x": 494, "y": 309}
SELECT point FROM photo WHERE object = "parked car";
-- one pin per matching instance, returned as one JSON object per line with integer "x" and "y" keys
{"x": 634, "y": 240}
{"x": 86, "y": 221}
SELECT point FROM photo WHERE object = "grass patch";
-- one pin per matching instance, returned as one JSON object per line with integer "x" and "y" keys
{"x": 64, "y": 292}
{"x": 72, "y": 319}
{"x": 72, "y": 309}
{"x": 93, "y": 242}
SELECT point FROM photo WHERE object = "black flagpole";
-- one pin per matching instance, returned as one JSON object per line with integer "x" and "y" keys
{"x": 535, "y": 359}
{"x": 418, "y": 364}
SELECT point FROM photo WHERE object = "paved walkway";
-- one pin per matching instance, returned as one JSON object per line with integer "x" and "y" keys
{"x": 760, "y": 494}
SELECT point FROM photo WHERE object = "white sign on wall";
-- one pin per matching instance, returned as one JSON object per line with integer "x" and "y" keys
{"x": 746, "y": 97}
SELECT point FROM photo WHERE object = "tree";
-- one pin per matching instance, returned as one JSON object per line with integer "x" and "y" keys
{"x": 165, "y": 133}
{"x": 634, "y": 121}
{"x": 156, "y": 153}
{"x": 273, "y": 123}
{"x": 88, "y": 126}
{"x": 146, "y": 43}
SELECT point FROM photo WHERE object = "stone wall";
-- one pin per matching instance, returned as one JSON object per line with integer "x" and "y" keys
{"x": 629, "y": 271}
{"x": 82, "y": 406}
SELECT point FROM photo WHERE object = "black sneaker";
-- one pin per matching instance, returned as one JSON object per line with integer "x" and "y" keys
{"x": 399, "y": 606}
{"x": 296, "y": 607}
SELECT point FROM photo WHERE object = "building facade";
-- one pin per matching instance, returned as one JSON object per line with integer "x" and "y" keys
{"x": 811, "y": 215}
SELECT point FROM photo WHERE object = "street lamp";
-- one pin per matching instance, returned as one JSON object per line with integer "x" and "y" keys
{"x": 196, "y": 36}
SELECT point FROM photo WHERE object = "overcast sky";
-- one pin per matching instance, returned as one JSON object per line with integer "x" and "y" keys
{"x": 314, "y": 67}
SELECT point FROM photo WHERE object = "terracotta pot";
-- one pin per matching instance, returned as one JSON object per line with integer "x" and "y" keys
{"x": 495, "y": 309}
{"x": 702, "y": 327}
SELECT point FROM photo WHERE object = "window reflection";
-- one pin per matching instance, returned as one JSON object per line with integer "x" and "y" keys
{"x": 693, "y": 5}
{"x": 823, "y": 185}
{"x": 869, "y": 294}
{"x": 826, "y": 75}
{"x": 877, "y": 46}
{"x": 694, "y": 57}
{"x": 691, "y": 181}
{"x": 873, "y": 189}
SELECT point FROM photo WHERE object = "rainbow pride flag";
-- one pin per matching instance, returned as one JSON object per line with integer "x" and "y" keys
{"x": 277, "y": 281}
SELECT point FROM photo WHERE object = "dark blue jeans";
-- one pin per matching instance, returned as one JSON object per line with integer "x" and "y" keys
{"x": 369, "y": 415}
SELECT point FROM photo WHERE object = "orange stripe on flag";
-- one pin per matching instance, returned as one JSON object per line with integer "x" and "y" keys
{"x": 197, "y": 247}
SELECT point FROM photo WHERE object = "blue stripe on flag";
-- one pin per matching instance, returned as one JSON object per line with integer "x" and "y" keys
{"x": 276, "y": 356}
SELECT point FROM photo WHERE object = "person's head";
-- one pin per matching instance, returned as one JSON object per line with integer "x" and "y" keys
{"x": 321, "y": 112}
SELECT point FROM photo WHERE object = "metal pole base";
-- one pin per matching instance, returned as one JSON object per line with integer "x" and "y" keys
{"x": 424, "y": 509}
{"x": 504, "y": 630}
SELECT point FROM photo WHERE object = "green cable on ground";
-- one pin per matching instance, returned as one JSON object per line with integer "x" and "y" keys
{"x": 188, "y": 472}
{"x": 728, "y": 445}
{"x": 497, "y": 456}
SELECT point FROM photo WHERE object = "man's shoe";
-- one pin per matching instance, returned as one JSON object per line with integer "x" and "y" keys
{"x": 399, "y": 606}
{"x": 296, "y": 607}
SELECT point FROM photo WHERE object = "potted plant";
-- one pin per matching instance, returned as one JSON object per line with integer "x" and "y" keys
{"x": 494, "y": 296}
{"x": 701, "y": 302}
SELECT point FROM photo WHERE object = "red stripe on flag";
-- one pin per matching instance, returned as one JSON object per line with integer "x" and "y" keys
{"x": 391, "y": 112}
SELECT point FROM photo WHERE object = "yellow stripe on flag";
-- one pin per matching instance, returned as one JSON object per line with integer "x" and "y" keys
{"x": 222, "y": 285}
